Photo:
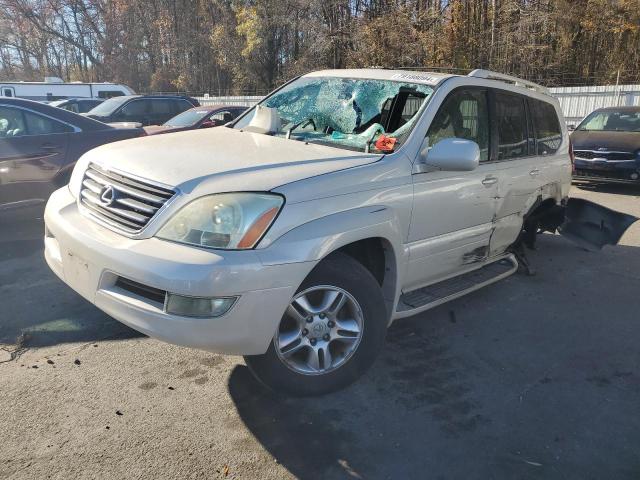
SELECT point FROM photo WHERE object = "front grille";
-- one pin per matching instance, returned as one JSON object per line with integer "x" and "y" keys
{"x": 121, "y": 201}
{"x": 591, "y": 154}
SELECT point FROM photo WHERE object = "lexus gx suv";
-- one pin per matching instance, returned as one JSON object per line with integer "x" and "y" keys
{"x": 343, "y": 201}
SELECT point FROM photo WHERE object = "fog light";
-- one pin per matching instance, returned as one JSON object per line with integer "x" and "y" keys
{"x": 198, "y": 306}
{"x": 634, "y": 176}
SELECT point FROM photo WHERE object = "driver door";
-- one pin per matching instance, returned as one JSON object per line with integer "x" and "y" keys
{"x": 453, "y": 212}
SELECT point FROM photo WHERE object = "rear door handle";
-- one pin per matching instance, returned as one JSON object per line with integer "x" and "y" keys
{"x": 49, "y": 146}
{"x": 535, "y": 172}
{"x": 489, "y": 180}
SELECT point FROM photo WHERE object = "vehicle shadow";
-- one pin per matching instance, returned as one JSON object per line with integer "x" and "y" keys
{"x": 532, "y": 378}
{"x": 37, "y": 308}
{"x": 604, "y": 187}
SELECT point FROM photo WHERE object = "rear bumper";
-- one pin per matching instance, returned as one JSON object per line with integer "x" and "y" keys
{"x": 90, "y": 258}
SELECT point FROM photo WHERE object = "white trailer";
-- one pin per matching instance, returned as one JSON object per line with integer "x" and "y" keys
{"x": 53, "y": 88}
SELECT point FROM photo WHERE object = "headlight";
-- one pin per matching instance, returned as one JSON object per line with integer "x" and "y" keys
{"x": 227, "y": 220}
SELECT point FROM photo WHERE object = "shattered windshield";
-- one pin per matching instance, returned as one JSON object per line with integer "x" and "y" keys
{"x": 357, "y": 114}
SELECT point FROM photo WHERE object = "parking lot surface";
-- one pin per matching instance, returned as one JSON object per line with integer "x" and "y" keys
{"x": 531, "y": 378}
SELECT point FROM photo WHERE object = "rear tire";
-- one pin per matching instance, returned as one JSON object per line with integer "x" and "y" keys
{"x": 334, "y": 340}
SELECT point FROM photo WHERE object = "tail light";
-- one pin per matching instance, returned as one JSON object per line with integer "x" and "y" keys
{"x": 572, "y": 156}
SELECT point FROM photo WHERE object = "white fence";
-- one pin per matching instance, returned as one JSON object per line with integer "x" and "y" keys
{"x": 245, "y": 101}
{"x": 576, "y": 102}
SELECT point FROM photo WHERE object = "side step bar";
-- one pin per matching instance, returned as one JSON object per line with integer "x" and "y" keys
{"x": 431, "y": 296}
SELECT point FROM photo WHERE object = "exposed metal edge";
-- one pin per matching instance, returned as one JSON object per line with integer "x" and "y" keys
{"x": 428, "y": 306}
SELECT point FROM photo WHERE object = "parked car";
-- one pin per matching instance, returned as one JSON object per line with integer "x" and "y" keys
{"x": 39, "y": 145}
{"x": 607, "y": 145}
{"x": 77, "y": 105}
{"x": 143, "y": 109}
{"x": 343, "y": 201}
{"x": 198, "y": 117}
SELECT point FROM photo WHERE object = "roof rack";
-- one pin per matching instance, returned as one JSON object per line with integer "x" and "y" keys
{"x": 488, "y": 74}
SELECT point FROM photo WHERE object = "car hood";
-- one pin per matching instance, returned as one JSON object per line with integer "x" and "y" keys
{"x": 618, "y": 141}
{"x": 223, "y": 159}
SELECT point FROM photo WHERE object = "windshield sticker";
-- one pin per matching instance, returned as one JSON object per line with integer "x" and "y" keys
{"x": 416, "y": 77}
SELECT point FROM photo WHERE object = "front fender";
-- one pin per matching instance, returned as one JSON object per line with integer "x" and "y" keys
{"x": 316, "y": 239}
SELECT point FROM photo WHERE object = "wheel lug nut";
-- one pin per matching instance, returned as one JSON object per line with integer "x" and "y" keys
{"x": 331, "y": 324}
{"x": 309, "y": 319}
{"x": 326, "y": 337}
{"x": 312, "y": 341}
{"x": 305, "y": 331}
{"x": 322, "y": 315}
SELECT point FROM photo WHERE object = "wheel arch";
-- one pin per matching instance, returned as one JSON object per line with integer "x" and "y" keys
{"x": 371, "y": 235}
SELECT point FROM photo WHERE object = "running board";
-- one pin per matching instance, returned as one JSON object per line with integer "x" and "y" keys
{"x": 431, "y": 296}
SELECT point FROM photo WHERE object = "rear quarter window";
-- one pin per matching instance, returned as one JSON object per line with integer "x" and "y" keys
{"x": 547, "y": 127}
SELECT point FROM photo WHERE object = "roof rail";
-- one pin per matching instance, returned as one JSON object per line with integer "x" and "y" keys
{"x": 488, "y": 74}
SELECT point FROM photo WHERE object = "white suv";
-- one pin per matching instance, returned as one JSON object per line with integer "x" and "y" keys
{"x": 345, "y": 200}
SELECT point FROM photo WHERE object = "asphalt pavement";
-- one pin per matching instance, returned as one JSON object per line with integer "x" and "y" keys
{"x": 531, "y": 378}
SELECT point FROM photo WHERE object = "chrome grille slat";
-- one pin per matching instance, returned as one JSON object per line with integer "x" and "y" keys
{"x": 160, "y": 191}
{"x": 122, "y": 202}
{"x": 133, "y": 216}
{"x": 149, "y": 197}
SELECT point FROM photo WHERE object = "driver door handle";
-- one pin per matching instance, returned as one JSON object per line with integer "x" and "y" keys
{"x": 489, "y": 180}
{"x": 535, "y": 172}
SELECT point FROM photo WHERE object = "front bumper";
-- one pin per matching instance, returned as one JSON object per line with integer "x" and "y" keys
{"x": 90, "y": 258}
{"x": 627, "y": 171}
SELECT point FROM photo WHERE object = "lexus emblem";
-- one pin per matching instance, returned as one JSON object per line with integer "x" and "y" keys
{"x": 107, "y": 196}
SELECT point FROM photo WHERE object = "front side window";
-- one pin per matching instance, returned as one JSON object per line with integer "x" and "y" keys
{"x": 342, "y": 112}
{"x": 133, "y": 109}
{"x": 611, "y": 121}
{"x": 511, "y": 119}
{"x": 463, "y": 114}
{"x": 547, "y": 127}
{"x": 12, "y": 123}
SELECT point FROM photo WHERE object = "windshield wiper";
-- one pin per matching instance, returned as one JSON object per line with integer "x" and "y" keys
{"x": 307, "y": 120}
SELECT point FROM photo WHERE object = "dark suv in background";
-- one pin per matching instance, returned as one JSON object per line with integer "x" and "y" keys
{"x": 144, "y": 109}
{"x": 607, "y": 145}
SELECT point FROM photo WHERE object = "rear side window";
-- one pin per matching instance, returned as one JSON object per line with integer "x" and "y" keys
{"x": 38, "y": 125}
{"x": 162, "y": 107}
{"x": 547, "y": 127}
{"x": 511, "y": 118}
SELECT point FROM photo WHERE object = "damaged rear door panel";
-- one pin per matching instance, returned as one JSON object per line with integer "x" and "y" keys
{"x": 592, "y": 226}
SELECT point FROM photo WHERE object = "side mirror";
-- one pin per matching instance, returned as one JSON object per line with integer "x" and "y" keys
{"x": 452, "y": 155}
{"x": 571, "y": 127}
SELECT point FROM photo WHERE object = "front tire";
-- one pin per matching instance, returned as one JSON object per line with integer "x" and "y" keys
{"x": 331, "y": 333}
